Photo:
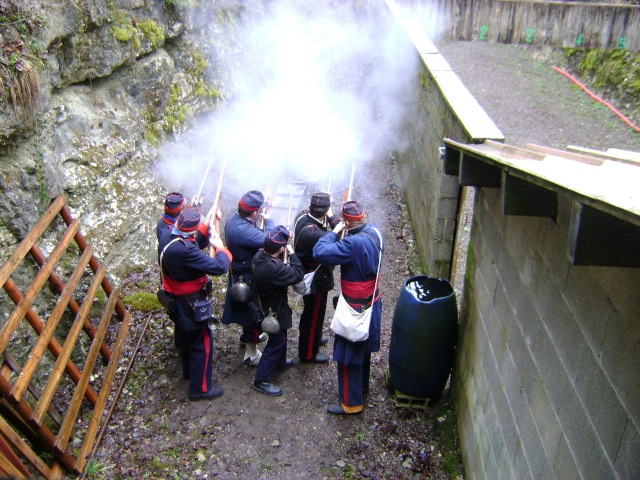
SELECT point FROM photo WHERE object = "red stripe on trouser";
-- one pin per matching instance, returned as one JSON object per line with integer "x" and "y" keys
{"x": 207, "y": 350}
{"x": 345, "y": 384}
{"x": 314, "y": 323}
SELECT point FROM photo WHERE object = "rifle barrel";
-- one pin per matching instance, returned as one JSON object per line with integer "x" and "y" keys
{"x": 194, "y": 200}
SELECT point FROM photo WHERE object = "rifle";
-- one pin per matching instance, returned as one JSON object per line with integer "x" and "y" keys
{"x": 212, "y": 216}
{"x": 265, "y": 206}
{"x": 347, "y": 195}
{"x": 196, "y": 200}
{"x": 285, "y": 254}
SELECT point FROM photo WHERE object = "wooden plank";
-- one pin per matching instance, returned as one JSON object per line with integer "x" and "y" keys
{"x": 589, "y": 160}
{"x": 82, "y": 245}
{"x": 43, "y": 433}
{"x": 25, "y": 245}
{"x": 58, "y": 285}
{"x": 613, "y": 154}
{"x": 50, "y": 328}
{"x": 66, "y": 428}
{"x": 69, "y": 344}
{"x": 54, "y": 347}
{"x": 19, "y": 444}
{"x": 104, "y": 393}
{"x": 35, "y": 391}
{"x": 38, "y": 281}
{"x": 520, "y": 197}
{"x": 597, "y": 238}
{"x": 516, "y": 153}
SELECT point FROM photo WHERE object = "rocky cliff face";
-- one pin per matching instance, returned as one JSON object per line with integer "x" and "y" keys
{"x": 90, "y": 91}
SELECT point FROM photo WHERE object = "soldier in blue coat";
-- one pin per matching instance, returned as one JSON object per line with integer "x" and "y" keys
{"x": 359, "y": 255}
{"x": 244, "y": 239}
{"x": 272, "y": 278}
{"x": 173, "y": 204}
{"x": 311, "y": 225}
{"x": 184, "y": 277}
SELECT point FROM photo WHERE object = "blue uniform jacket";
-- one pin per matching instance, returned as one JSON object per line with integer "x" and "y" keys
{"x": 357, "y": 254}
{"x": 272, "y": 278}
{"x": 243, "y": 239}
{"x": 185, "y": 268}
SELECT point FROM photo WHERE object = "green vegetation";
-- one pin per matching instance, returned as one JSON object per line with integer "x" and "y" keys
{"x": 96, "y": 470}
{"x": 142, "y": 301}
{"x": 446, "y": 429}
{"x": 20, "y": 59}
{"x": 127, "y": 29}
{"x": 616, "y": 71}
{"x": 152, "y": 31}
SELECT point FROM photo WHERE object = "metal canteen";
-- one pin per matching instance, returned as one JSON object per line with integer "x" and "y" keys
{"x": 270, "y": 324}
{"x": 240, "y": 292}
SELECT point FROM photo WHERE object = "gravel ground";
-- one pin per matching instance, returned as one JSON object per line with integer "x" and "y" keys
{"x": 155, "y": 432}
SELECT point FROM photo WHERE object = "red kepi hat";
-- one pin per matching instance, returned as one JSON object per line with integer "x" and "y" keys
{"x": 277, "y": 237}
{"x": 189, "y": 220}
{"x": 173, "y": 203}
{"x": 252, "y": 201}
{"x": 352, "y": 211}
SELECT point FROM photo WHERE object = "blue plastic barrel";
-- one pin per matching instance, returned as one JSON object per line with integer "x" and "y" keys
{"x": 423, "y": 337}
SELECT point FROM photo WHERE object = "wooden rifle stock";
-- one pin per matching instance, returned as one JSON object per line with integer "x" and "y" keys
{"x": 212, "y": 216}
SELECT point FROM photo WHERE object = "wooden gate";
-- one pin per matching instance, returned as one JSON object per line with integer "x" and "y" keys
{"x": 53, "y": 399}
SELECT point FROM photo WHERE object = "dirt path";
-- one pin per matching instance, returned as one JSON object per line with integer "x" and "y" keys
{"x": 157, "y": 433}
{"x": 532, "y": 103}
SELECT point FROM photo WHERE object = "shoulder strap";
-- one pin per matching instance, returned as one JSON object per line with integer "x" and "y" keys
{"x": 162, "y": 255}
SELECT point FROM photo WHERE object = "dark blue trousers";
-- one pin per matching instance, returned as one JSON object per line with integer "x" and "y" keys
{"x": 311, "y": 323}
{"x": 197, "y": 358}
{"x": 274, "y": 355}
{"x": 353, "y": 381}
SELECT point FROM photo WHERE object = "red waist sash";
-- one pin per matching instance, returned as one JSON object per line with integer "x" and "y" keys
{"x": 184, "y": 288}
{"x": 359, "y": 292}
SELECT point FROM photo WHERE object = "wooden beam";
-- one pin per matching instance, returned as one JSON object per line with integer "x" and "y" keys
{"x": 588, "y": 159}
{"x": 477, "y": 173}
{"x": 94, "y": 264}
{"x": 92, "y": 429}
{"x": 56, "y": 282}
{"x": 38, "y": 325}
{"x": 50, "y": 328}
{"x": 69, "y": 344}
{"x": 43, "y": 433}
{"x": 66, "y": 428}
{"x": 39, "y": 280}
{"x": 25, "y": 245}
{"x": 599, "y": 239}
{"x": 18, "y": 443}
{"x": 451, "y": 160}
{"x": 520, "y": 197}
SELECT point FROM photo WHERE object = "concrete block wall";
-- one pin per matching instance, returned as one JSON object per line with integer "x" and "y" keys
{"x": 546, "y": 379}
{"x": 443, "y": 107}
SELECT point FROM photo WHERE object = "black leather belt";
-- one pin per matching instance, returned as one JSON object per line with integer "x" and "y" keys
{"x": 365, "y": 302}
{"x": 192, "y": 297}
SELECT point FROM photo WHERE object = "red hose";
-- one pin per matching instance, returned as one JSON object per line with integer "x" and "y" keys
{"x": 592, "y": 95}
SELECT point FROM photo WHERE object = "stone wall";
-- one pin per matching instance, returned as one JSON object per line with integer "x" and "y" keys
{"x": 115, "y": 80}
{"x": 546, "y": 375}
{"x": 545, "y": 379}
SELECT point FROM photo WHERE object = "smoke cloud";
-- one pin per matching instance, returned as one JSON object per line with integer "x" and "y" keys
{"x": 314, "y": 86}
